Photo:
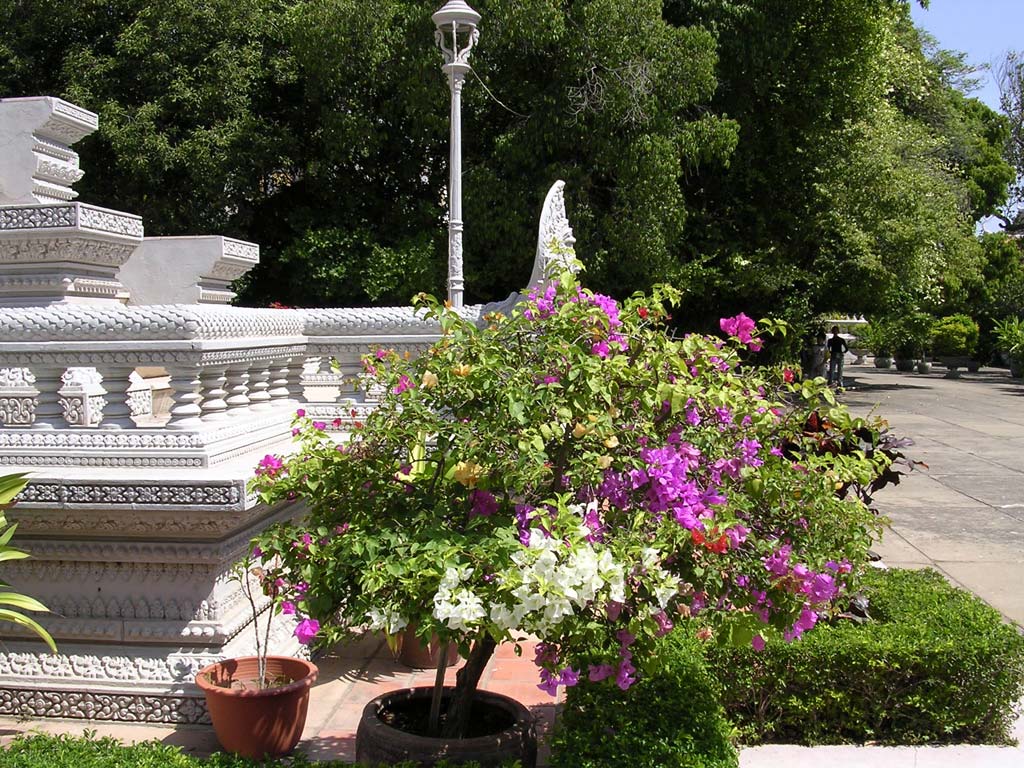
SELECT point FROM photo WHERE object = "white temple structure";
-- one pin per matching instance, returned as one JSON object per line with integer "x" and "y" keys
{"x": 141, "y": 403}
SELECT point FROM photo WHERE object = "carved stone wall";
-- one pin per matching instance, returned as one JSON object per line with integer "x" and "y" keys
{"x": 138, "y": 582}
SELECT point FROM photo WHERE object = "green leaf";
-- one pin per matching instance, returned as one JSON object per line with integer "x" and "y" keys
{"x": 32, "y": 624}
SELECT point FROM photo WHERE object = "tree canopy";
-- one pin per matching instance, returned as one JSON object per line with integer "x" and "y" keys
{"x": 791, "y": 156}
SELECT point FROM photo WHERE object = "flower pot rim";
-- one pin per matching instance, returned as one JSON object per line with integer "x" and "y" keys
{"x": 306, "y": 681}
{"x": 522, "y": 716}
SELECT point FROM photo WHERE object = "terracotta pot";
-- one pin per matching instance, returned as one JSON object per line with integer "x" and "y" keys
{"x": 258, "y": 723}
{"x": 379, "y": 743}
{"x": 414, "y": 653}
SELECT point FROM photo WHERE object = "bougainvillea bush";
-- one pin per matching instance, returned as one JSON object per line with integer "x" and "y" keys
{"x": 573, "y": 472}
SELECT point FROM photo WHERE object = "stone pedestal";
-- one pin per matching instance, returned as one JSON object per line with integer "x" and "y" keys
{"x": 187, "y": 270}
{"x": 137, "y": 575}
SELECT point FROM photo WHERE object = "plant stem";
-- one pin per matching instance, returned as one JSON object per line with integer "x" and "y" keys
{"x": 435, "y": 700}
{"x": 261, "y": 656}
{"x": 466, "y": 681}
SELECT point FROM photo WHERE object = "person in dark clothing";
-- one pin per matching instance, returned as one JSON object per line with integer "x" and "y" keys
{"x": 837, "y": 349}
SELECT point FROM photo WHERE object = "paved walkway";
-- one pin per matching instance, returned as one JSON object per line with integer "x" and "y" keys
{"x": 963, "y": 516}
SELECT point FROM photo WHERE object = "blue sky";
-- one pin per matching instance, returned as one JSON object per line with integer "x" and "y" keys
{"x": 983, "y": 29}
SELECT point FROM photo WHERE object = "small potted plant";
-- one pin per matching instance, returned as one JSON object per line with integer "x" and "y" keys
{"x": 1010, "y": 332}
{"x": 954, "y": 339}
{"x": 570, "y": 472}
{"x": 258, "y": 703}
{"x": 912, "y": 332}
{"x": 877, "y": 336}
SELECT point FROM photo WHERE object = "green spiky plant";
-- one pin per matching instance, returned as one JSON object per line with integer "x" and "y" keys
{"x": 10, "y": 486}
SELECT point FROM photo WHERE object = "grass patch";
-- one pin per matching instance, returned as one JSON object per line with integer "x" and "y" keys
{"x": 46, "y": 751}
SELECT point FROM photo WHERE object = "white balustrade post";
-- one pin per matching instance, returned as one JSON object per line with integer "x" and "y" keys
{"x": 117, "y": 414}
{"x": 238, "y": 390}
{"x": 278, "y": 382}
{"x": 214, "y": 406}
{"x": 185, "y": 394}
{"x": 286, "y": 384}
{"x": 259, "y": 386}
{"x": 455, "y": 17}
{"x": 49, "y": 411}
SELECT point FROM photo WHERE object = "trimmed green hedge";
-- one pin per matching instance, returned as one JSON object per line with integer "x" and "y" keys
{"x": 45, "y": 751}
{"x": 937, "y": 665}
{"x": 670, "y": 717}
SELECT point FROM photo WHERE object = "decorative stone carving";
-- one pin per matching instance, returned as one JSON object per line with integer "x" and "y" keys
{"x": 187, "y": 270}
{"x": 89, "y": 705}
{"x": 176, "y": 322}
{"x": 140, "y": 396}
{"x": 81, "y": 397}
{"x": 69, "y": 252}
{"x": 212, "y": 494}
{"x": 554, "y": 237}
{"x": 17, "y": 397}
{"x": 37, "y": 217}
{"x": 38, "y": 164}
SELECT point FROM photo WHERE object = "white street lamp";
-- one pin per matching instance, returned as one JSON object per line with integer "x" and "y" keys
{"x": 455, "y": 19}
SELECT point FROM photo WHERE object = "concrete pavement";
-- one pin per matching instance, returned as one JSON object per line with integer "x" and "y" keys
{"x": 964, "y": 515}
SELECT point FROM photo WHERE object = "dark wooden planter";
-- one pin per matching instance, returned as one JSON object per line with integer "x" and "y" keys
{"x": 379, "y": 743}
{"x": 258, "y": 723}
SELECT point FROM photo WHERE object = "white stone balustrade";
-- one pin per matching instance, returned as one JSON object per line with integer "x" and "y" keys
{"x": 135, "y": 521}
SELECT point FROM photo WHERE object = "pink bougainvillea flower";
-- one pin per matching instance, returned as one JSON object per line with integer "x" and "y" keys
{"x": 741, "y": 327}
{"x": 404, "y": 383}
{"x": 599, "y": 672}
{"x": 306, "y": 630}
{"x": 269, "y": 466}
{"x": 288, "y": 607}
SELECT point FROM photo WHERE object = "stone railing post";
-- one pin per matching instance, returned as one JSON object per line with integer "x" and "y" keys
{"x": 214, "y": 406}
{"x": 259, "y": 386}
{"x": 236, "y": 384}
{"x": 185, "y": 395}
{"x": 117, "y": 413}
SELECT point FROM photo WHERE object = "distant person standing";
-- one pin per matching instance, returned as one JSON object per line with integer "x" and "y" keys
{"x": 837, "y": 349}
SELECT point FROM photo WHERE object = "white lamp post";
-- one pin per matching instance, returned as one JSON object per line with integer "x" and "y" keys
{"x": 455, "y": 19}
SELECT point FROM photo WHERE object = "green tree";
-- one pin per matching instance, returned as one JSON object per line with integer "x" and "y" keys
{"x": 320, "y": 131}
{"x": 859, "y": 168}
{"x": 1010, "y": 76}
